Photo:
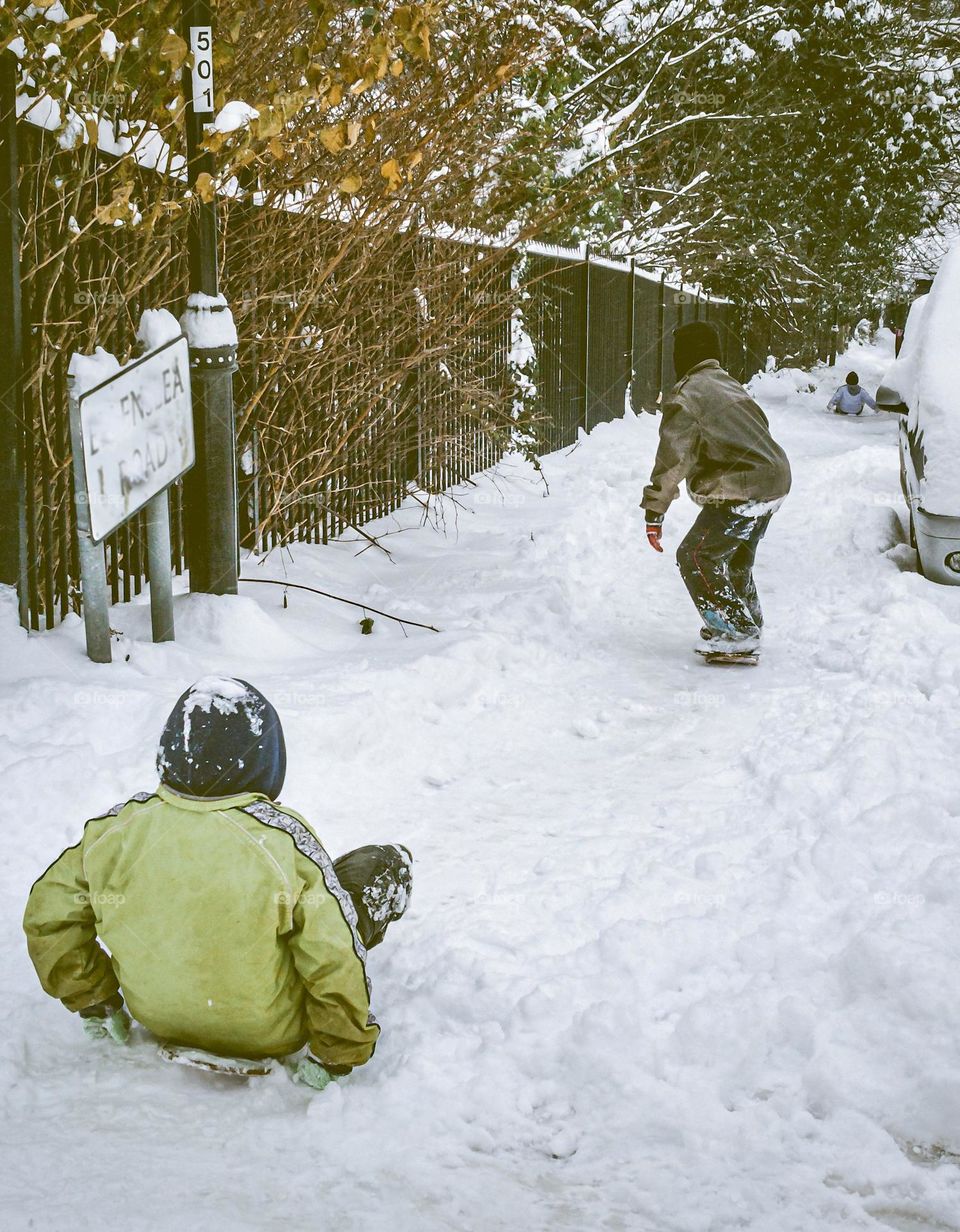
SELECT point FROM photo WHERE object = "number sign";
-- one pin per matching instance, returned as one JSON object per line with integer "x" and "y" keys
{"x": 201, "y": 45}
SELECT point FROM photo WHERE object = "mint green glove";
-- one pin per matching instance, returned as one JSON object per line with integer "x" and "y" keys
{"x": 111, "y": 1024}
{"x": 312, "y": 1074}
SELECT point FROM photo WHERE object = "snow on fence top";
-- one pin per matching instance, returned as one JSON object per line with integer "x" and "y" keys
{"x": 622, "y": 264}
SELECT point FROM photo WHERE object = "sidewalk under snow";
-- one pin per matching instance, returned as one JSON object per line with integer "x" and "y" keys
{"x": 683, "y": 948}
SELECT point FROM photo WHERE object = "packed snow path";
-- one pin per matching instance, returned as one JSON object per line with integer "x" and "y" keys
{"x": 683, "y": 948}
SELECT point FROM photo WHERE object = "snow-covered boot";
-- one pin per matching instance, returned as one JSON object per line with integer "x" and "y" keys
{"x": 379, "y": 880}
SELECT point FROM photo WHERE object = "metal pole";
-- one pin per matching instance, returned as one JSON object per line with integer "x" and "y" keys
{"x": 834, "y": 331}
{"x": 660, "y": 325}
{"x": 202, "y": 223}
{"x": 212, "y": 539}
{"x": 631, "y": 311}
{"x": 585, "y": 422}
{"x": 157, "y": 518}
{"x": 13, "y": 511}
{"x": 93, "y": 570}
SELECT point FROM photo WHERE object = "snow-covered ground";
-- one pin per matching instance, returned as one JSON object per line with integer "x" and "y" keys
{"x": 683, "y": 948}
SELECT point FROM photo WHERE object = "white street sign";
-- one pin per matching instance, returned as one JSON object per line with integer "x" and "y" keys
{"x": 137, "y": 435}
{"x": 201, "y": 44}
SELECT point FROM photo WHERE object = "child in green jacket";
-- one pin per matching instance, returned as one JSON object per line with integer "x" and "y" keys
{"x": 226, "y": 925}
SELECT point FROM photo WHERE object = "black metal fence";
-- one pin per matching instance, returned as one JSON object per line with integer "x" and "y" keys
{"x": 439, "y": 385}
{"x": 311, "y": 456}
{"x": 346, "y": 396}
{"x": 601, "y": 332}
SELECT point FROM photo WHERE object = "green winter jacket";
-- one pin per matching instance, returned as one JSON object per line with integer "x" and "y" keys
{"x": 714, "y": 436}
{"x": 223, "y": 923}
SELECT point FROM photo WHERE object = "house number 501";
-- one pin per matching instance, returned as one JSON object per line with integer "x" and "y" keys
{"x": 201, "y": 45}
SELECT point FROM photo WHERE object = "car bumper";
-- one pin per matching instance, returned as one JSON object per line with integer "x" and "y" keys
{"x": 937, "y": 537}
{"x": 937, "y": 534}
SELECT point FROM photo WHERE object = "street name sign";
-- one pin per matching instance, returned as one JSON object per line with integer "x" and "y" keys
{"x": 136, "y": 432}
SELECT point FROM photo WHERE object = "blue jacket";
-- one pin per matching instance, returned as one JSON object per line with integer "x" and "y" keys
{"x": 849, "y": 400}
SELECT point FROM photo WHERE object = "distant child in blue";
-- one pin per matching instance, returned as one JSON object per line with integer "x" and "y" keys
{"x": 849, "y": 398}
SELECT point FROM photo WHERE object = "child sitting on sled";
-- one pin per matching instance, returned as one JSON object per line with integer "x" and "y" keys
{"x": 850, "y": 398}
{"x": 225, "y": 926}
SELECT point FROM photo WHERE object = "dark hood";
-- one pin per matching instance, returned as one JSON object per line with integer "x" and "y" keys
{"x": 693, "y": 343}
{"x": 222, "y": 737}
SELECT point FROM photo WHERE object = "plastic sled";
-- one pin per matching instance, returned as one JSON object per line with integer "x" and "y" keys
{"x": 235, "y": 1067}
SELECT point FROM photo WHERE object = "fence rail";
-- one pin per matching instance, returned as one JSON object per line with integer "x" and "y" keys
{"x": 349, "y": 392}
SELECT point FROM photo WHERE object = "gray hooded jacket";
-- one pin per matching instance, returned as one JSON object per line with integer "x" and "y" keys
{"x": 714, "y": 436}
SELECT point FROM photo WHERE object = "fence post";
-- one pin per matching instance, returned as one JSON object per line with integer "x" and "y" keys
{"x": 660, "y": 325}
{"x": 834, "y": 331}
{"x": 631, "y": 318}
{"x": 13, "y": 527}
{"x": 212, "y": 540}
{"x": 585, "y": 417}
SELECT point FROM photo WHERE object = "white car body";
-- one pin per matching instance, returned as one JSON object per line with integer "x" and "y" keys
{"x": 925, "y": 378}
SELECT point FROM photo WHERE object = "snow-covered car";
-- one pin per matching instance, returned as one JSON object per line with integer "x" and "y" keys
{"x": 923, "y": 384}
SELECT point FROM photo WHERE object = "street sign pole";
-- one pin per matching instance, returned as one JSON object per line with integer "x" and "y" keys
{"x": 93, "y": 570}
{"x": 157, "y": 518}
{"x": 211, "y": 489}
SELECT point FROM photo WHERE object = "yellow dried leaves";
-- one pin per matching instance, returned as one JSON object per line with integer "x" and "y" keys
{"x": 206, "y": 188}
{"x": 174, "y": 50}
{"x": 392, "y": 173}
{"x": 413, "y": 29}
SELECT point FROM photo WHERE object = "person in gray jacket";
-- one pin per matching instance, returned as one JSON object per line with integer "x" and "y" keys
{"x": 717, "y": 439}
{"x": 850, "y": 398}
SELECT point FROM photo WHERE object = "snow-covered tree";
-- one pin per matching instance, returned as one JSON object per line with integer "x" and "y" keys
{"x": 770, "y": 152}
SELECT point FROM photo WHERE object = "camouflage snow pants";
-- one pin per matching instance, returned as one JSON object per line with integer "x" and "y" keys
{"x": 716, "y": 563}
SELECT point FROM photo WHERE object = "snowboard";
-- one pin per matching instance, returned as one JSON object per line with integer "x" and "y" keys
{"x": 196, "y": 1058}
{"x": 729, "y": 658}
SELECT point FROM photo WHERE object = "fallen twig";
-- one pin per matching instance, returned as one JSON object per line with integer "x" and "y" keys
{"x": 414, "y": 624}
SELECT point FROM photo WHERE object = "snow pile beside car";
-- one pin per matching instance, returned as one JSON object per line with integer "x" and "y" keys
{"x": 902, "y": 373}
{"x": 926, "y": 374}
